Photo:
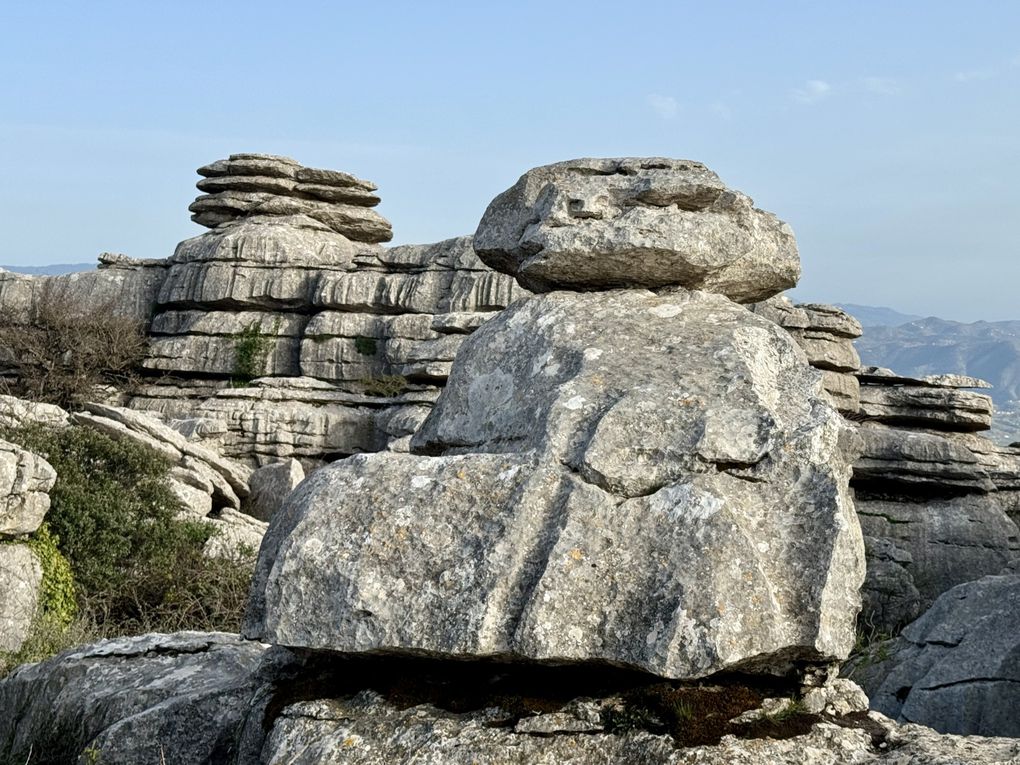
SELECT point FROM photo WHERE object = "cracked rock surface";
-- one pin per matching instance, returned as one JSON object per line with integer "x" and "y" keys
{"x": 178, "y": 698}
{"x": 957, "y": 668}
{"x": 650, "y": 222}
{"x": 671, "y": 495}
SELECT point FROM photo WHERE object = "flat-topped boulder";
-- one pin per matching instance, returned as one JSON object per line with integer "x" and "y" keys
{"x": 591, "y": 224}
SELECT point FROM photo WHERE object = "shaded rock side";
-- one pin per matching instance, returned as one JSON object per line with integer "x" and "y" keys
{"x": 670, "y": 496}
{"x": 957, "y": 668}
{"x": 636, "y": 222}
{"x": 180, "y": 698}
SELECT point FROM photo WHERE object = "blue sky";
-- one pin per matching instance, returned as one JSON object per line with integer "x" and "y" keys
{"x": 887, "y": 134}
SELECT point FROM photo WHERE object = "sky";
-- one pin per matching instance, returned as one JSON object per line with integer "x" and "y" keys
{"x": 886, "y": 133}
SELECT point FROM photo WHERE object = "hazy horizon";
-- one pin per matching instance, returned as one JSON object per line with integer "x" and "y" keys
{"x": 884, "y": 134}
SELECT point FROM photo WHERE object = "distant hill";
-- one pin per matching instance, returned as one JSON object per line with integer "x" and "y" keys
{"x": 986, "y": 349}
{"x": 878, "y": 316}
{"x": 60, "y": 268}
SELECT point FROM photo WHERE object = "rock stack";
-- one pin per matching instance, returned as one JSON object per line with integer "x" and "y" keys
{"x": 256, "y": 185}
{"x": 933, "y": 495}
{"x": 616, "y": 476}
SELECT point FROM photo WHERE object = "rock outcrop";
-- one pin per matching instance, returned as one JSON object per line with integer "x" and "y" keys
{"x": 957, "y": 668}
{"x": 825, "y": 334}
{"x": 180, "y": 698}
{"x": 636, "y": 222}
{"x": 934, "y": 497}
{"x": 280, "y": 289}
{"x": 669, "y": 495}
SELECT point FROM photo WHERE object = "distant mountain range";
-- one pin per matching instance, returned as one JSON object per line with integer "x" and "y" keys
{"x": 986, "y": 349}
{"x": 60, "y": 268}
{"x": 878, "y": 316}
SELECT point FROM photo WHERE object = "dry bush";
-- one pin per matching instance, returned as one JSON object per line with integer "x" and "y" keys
{"x": 65, "y": 350}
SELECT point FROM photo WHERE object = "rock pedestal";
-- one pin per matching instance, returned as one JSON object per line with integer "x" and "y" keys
{"x": 625, "y": 477}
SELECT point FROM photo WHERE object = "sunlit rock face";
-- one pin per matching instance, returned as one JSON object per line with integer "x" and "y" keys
{"x": 650, "y": 480}
{"x": 593, "y": 224}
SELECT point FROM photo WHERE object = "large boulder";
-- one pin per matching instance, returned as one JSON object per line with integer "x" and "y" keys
{"x": 957, "y": 668}
{"x": 670, "y": 494}
{"x": 652, "y": 222}
{"x": 180, "y": 698}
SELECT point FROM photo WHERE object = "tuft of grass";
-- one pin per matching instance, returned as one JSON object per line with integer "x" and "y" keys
{"x": 251, "y": 352}
{"x": 385, "y": 386}
{"x": 366, "y": 346}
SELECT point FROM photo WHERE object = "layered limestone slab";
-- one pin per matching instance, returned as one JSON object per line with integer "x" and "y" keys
{"x": 922, "y": 406}
{"x": 671, "y": 495}
{"x": 652, "y": 222}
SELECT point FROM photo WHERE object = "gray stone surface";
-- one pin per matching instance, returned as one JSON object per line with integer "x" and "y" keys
{"x": 179, "y": 698}
{"x": 950, "y": 409}
{"x": 367, "y": 730}
{"x": 20, "y": 580}
{"x": 637, "y": 222}
{"x": 25, "y": 482}
{"x": 264, "y": 185}
{"x": 270, "y": 485}
{"x": 671, "y": 495}
{"x": 310, "y": 420}
{"x": 957, "y": 668}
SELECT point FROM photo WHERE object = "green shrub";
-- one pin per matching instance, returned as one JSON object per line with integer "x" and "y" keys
{"x": 137, "y": 566}
{"x": 57, "y": 601}
{"x": 251, "y": 351}
{"x": 366, "y": 346}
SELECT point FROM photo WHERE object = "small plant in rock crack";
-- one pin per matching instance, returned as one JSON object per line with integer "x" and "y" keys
{"x": 366, "y": 346}
{"x": 251, "y": 351}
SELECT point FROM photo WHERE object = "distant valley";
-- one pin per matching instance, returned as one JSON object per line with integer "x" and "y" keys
{"x": 54, "y": 270}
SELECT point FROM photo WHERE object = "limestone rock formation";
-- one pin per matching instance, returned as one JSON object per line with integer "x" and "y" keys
{"x": 653, "y": 222}
{"x": 368, "y": 730}
{"x": 825, "y": 334}
{"x": 271, "y": 485}
{"x": 628, "y": 497}
{"x": 122, "y": 285}
{"x": 25, "y": 482}
{"x": 956, "y": 668}
{"x": 250, "y": 185}
{"x": 937, "y": 501}
{"x": 179, "y": 698}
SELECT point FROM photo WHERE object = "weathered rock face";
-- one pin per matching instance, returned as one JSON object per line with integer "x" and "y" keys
{"x": 957, "y": 668}
{"x": 249, "y": 185}
{"x": 934, "y": 497}
{"x": 603, "y": 223}
{"x": 25, "y": 482}
{"x": 179, "y": 698}
{"x": 670, "y": 496}
{"x": 271, "y": 485}
{"x": 122, "y": 285}
{"x": 825, "y": 334}
{"x": 367, "y": 730}
{"x": 20, "y": 580}
{"x": 277, "y": 418}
